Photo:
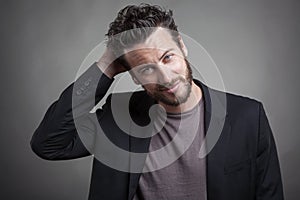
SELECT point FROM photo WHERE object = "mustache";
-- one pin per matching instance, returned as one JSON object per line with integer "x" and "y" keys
{"x": 166, "y": 86}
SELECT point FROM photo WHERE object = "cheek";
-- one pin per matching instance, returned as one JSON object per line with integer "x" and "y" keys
{"x": 149, "y": 81}
{"x": 179, "y": 66}
{"x": 149, "y": 87}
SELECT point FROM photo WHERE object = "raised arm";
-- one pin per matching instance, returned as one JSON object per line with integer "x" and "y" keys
{"x": 56, "y": 137}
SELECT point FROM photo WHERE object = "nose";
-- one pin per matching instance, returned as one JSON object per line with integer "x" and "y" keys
{"x": 164, "y": 75}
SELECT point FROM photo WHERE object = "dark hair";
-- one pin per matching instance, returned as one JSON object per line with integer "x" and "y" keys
{"x": 135, "y": 23}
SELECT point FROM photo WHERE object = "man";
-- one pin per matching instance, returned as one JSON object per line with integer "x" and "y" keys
{"x": 177, "y": 111}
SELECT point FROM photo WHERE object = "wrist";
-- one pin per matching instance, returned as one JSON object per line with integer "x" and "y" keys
{"x": 106, "y": 69}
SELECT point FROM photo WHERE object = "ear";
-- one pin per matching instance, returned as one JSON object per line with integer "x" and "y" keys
{"x": 183, "y": 47}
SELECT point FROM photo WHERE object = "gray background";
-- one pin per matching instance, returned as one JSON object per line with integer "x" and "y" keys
{"x": 254, "y": 43}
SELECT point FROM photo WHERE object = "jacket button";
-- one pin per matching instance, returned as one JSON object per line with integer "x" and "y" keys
{"x": 78, "y": 92}
{"x": 86, "y": 83}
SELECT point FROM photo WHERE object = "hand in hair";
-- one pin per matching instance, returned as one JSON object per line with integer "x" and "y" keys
{"x": 109, "y": 65}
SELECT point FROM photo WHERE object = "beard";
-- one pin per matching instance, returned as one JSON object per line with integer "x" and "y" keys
{"x": 181, "y": 96}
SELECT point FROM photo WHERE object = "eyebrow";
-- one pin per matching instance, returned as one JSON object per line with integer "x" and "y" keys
{"x": 151, "y": 65}
{"x": 166, "y": 53}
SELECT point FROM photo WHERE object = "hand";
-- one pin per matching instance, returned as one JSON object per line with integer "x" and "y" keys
{"x": 109, "y": 65}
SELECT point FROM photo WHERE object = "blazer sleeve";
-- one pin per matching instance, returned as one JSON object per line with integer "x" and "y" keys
{"x": 268, "y": 180}
{"x": 56, "y": 137}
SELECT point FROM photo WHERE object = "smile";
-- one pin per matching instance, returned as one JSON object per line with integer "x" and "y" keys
{"x": 173, "y": 88}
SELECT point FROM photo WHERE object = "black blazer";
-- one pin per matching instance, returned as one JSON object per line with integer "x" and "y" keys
{"x": 242, "y": 165}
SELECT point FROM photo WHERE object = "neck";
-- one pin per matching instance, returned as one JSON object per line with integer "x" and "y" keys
{"x": 192, "y": 101}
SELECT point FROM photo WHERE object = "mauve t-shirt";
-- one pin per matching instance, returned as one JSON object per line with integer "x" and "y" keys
{"x": 184, "y": 178}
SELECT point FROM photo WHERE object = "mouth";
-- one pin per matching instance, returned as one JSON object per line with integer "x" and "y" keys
{"x": 172, "y": 88}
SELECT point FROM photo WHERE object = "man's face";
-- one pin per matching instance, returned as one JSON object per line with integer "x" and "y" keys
{"x": 159, "y": 65}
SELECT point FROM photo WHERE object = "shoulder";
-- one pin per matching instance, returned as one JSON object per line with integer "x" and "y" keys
{"x": 236, "y": 103}
{"x": 237, "y": 106}
{"x": 134, "y": 101}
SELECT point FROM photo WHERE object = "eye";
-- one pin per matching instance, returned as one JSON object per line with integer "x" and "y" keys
{"x": 167, "y": 58}
{"x": 147, "y": 70}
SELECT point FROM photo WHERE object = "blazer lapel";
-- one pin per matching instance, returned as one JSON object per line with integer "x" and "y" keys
{"x": 217, "y": 129}
{"x": 139, "y": 105}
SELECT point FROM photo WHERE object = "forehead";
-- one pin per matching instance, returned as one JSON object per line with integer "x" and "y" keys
{"x": 159, "y": 39}
{"x": 152, "y": 48}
